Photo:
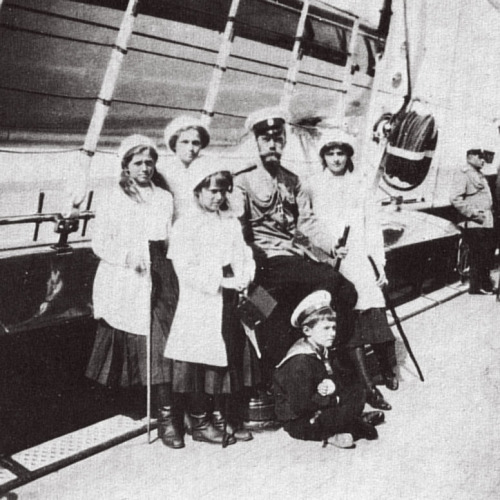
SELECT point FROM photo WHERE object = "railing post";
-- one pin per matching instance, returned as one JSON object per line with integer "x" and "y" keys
{"x": 293, "y": 69}
{"x": 348, "y": 72}
{"x": 220, "y": 65}
{"x": 104, "y": 101}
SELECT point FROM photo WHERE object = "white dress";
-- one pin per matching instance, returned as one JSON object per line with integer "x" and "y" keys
{"x": 176, "y": 175}
{"x": 338, "y": 201}
{"x": 202, "y": 244}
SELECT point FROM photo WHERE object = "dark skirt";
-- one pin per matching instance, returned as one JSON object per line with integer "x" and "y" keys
{"x": 196, "y": 377}
{"x": 370, "y": 327}
{"x": 119, "y": 358}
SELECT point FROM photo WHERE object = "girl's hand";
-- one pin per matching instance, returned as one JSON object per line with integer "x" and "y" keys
{"x": 234, "y": 284}
{"x": 382, "y": 280}
{"x": 340, "y": 252}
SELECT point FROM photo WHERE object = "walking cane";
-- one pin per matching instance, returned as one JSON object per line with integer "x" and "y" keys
{"x": 396, "y": 320}
{"x": 148, "y": 384}
{"x": 342, "y": 243}
{"x": 148, "y": 375}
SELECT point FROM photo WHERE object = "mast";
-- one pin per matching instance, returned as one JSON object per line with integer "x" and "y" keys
{"x": 220, "y": 65}
{"x": 104, "y": 100}
{"x": 293, "y": 69}
{"x": 348, "y": 72}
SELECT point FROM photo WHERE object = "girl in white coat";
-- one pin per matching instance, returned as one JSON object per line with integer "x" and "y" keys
{"x": 338, "y": 199}
{"x": 185, "y": 137}
{"x": 212, "y": 263}
{"x": 135, "y": 290}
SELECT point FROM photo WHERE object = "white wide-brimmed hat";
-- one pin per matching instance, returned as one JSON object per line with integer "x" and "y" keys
{"x": 181, "y": 123}
{"x": 132, "y": 141}
{"x": 333, "y": 137}
{"x": 203, "y": 167}
{"x": 313, "y": 303}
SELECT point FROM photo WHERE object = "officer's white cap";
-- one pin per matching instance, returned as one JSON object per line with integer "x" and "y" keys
{"x": 132, "y": 141}
{"x": 265, "y": 119}
{"x": 313, "y": 303}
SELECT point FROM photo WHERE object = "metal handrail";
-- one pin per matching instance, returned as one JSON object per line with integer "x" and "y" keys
{"x": 39, "y": 218}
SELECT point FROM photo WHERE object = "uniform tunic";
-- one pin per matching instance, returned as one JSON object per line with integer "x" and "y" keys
{"x": 271, "y": 208}
{"x": 270, "y": 211}
{"x": 471, "y": 196}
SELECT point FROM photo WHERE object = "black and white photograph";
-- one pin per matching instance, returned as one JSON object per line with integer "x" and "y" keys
{"x": 249, "y": 249}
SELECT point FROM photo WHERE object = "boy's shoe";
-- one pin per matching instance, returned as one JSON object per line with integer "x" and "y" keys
{"x": 343, "y": 440}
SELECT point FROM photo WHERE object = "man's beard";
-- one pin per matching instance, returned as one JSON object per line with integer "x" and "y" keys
{"x": 271, "y": 162}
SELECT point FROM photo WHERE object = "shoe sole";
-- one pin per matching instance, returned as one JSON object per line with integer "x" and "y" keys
{"x": 228, "y": 442}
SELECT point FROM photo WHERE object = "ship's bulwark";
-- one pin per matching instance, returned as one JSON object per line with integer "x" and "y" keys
{"x": 54, "y": 56}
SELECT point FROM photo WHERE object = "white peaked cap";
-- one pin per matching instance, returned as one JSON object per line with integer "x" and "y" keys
{"x": 183, "y": 122}
{"x": 269, "y": 115}
{"x": 203, "y": 167}
{"x": 311, "y": 304}
{"x": 133, "y": 141}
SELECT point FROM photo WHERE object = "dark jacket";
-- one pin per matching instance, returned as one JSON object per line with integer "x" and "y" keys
{"x": 295, "y": 383}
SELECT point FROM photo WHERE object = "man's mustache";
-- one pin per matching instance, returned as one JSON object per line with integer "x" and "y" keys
{"x": 272, "y": 155}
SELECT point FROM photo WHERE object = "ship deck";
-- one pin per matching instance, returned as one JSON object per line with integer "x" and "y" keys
{"x": 440, "y": 441}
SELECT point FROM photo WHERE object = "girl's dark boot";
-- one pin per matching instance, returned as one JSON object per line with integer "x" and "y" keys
{"x": 204, "y": 430}
{"x": 373, "y": 396}
{"x": 240, "y": 434}
{"x": 386, "y": 356}
{"x": 170, "y": 428}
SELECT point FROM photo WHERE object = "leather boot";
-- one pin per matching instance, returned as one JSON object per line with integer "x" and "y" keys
{"x": 373, "y": 396}
{"x": 204, "y": 430}
{"x": 364, "y": 430}
{"x": 373, "y": 417}
{"x": 238, "y": 434}
{"x": 169, "y": 430}
{"x": 188, "y": 425}
{"x": 391, "y": 381}
{"x": 375, "y": 399}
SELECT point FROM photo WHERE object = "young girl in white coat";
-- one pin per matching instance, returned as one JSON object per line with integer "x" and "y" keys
{"x": 135, "y": 289}
{"x": 186, "y": 137}
{"x": 337, "y": 197}
{"x": 212, "y": 263}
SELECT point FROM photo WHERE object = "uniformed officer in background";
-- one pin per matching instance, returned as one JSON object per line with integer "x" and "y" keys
{"x": 471, "y": 196}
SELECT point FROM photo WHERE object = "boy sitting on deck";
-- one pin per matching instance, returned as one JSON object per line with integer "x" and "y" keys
{"x": 311, "y": 401}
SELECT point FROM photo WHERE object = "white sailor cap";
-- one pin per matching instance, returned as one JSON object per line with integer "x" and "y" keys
{"x": 265, "y": 119}
{"x": 184, "y": 122}
{"x": 132, "y": 141}
{"x": 338, "y": 138}
{"x": 312, "y": 304}
{"x": 203, "y": 167}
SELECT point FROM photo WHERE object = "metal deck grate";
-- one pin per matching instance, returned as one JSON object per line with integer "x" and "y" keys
{"x": 71, "y": 444}
{"x": 6, "y": 476}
